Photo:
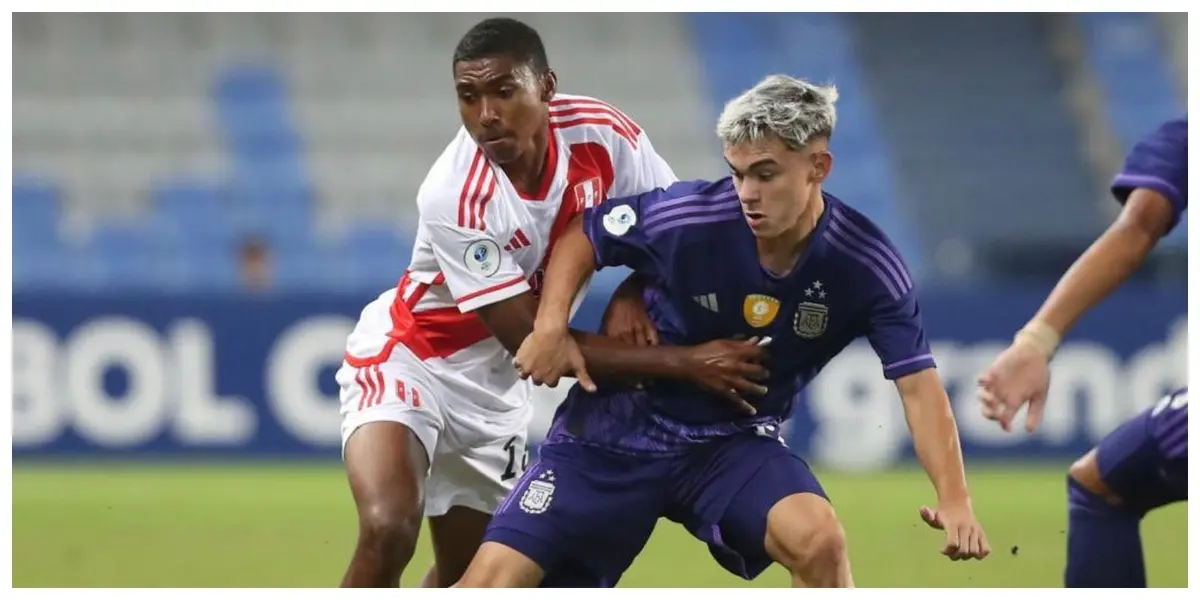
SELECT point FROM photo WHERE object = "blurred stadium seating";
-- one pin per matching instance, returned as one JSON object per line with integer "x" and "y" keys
{"x": 146, "y": 146}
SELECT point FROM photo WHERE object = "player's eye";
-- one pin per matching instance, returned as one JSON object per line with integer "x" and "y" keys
{"x": 736, "y": 175}
{"x": 765, "y": 177}
{"x": 506, "y": 92}
{"x": 466, "y": 97}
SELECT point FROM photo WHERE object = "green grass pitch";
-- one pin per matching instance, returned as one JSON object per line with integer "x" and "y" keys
{"x": 294, "y": 526}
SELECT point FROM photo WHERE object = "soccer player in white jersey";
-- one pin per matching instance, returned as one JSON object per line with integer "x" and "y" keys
{"x": 434, "y": 415}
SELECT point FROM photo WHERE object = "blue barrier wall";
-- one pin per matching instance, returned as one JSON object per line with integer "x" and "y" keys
{"x": 232, "y": 377}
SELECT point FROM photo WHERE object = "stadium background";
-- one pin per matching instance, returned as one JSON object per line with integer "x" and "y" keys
{"x": 203, "y": 203}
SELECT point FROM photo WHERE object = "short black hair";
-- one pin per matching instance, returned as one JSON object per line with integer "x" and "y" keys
{"x": 502, "y": 36}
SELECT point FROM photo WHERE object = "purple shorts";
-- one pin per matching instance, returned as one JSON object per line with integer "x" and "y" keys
{"x": 583, "y": 513}
{"x": 1144, "y": 461}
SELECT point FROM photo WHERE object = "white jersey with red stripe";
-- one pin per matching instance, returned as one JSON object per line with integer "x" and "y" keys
{"x": 481, "y": 241}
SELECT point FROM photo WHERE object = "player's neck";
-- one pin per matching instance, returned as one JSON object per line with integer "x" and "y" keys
{"x": 525, "y": 172}
{"x": 779, "y": 254}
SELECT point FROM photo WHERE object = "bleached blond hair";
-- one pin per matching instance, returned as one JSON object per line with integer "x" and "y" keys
{"x": 793, "y": 110}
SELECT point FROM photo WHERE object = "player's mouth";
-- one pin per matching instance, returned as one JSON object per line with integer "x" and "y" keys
{"x": 496, "y": 142}
{"x": 755, "y": 219}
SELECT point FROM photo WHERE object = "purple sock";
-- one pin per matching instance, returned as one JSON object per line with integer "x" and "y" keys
{"x": 1104, "y": 543}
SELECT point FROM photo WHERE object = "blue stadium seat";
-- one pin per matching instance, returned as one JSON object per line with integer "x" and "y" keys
{"x": 313, "y": 268}
{"x": 36, "y": 208}
{"x": 38, "y": 254}
{"x": 269, "y": 193}
{"x": 252, "y": 105}
{"x": 202, "y": 234}
{"x": 373, "y": 256}
{"x": 137, "y": 254}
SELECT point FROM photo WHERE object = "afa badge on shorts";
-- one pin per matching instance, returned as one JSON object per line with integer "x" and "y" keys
{"x": 540, "y": 493}
{"x": 810, "y": 320}
{"x": 760, "y": 310}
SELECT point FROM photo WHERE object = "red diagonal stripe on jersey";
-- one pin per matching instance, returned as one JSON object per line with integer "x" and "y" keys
{"x": 464, "y": 196}
{"x": 487, "y": 197}
{"x": 605, "y": 121}
{"x": 479, "y": 183}
{"x": 585, "y": 103}
{"x": 567, "y": 113}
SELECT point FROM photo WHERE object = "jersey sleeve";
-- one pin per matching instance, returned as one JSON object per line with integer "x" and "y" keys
{"x": 895, "y": 332}
{"x": 638, "y": 168}
{"x": 1158, "y": 162}
{"x": 619, "y": 232}
{"x": 477, "y": 269}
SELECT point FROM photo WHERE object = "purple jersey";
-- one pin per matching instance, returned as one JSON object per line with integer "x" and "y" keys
{"x": 698, "y": 256}
{"x": 1158, "y": 162}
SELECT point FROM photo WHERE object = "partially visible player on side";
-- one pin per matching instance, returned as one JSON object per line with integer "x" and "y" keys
{"x": 434, "y": 416}
{"x": 1143, "y": 464}
{"x": 765, "y": 255}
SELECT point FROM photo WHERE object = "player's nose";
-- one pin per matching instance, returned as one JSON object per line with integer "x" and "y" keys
{"x": 488, "y": 115}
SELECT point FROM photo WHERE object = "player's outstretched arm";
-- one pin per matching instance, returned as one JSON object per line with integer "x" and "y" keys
{"x": 725, "y": 367}
{"x": 935, "y": 439}
{"x": 1020, "y": 375}
{"x": 1152, "y": 186}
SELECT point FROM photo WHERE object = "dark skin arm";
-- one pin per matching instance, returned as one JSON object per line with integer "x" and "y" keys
{"x": 511, "y": 321}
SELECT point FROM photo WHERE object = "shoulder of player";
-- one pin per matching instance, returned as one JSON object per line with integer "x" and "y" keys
{"x": 861, "y": 244}
{"x": 685, "y": 206}
{"x": 458, "y": 186}
{"x": 571, "y": 113}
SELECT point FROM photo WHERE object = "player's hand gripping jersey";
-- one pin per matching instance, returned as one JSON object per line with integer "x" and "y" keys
{"x": 705, "y": 282}
{"x": 421, "y": 357}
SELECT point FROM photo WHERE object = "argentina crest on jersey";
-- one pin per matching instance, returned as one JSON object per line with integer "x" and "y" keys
{"x": 811, "y": 317}
{"x": 540, "y": 493}
{"x": 810, "y": 320}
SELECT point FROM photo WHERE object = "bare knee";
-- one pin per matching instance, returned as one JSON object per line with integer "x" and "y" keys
{"x": 805, "y": 536}
{"x": 390, "y": 529}
{"x": 1086, "y": 472}
{"x": 498, "y": 566}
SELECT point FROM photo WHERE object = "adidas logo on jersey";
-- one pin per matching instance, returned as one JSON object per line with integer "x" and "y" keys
{"x": 518, "y": 241}
{"x": 708, "y": 301}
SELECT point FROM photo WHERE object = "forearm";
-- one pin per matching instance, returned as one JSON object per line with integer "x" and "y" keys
{"x": 571, "y": 262}
{"x": 512, "y": 320}
{"x": 610, "y": 358}
{"x": 1109, "y": 261}
{"x": 935, "y": 440}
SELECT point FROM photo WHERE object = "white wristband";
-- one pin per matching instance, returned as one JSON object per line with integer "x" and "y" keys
{"x": 1041, "y": 336}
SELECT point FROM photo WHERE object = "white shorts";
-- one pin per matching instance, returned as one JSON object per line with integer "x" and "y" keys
{"x": 472, "y": 419}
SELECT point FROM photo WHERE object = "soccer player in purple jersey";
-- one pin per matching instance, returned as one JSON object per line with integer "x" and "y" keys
{"x": 764, "y": 254}
{"x": 1143, "y": 464}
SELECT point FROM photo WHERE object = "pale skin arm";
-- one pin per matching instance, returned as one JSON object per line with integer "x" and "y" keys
{"x": 935, "y": 439}
{"x": 573, "y": 260}
{"x": 1020, "y": 375}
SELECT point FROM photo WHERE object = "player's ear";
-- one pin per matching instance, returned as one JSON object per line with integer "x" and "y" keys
{"x": 822, "y": 165}
{"x": 549, "y": 85}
